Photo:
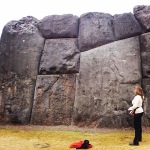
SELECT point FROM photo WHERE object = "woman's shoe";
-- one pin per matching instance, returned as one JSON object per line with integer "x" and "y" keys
{"x": 133, "y": 144}
{"x": 140, "y": 140}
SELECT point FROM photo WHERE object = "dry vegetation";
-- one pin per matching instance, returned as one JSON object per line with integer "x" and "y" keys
{"x": 60, "y": 137}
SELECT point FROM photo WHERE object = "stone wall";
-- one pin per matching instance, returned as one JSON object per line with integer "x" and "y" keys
{"x": 69, "y": 70}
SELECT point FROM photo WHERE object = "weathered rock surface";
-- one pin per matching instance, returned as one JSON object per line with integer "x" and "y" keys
{"x": 2, "y": 108}
{"x": 54, "y": 100}
{"x": 125, "y": 26}
{"x": 145, "y": 63}
{"x": 59, "y": 26}
{"x": 16, "y": 98}
{"x": 144, "y": 42}
{"x": 145, "y": 54}
{"x": 21, "y": 48}
{"x": 106, "y": 77}
{"x": 43, "y": 81}
{"x": 60, "y": 56}
{"x": 146, "y": 88}
{"x": 95, "y": 29}
{"x": 142, "y": 14}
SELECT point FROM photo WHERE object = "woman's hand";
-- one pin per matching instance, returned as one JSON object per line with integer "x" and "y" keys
{"x": 131, "y": 112}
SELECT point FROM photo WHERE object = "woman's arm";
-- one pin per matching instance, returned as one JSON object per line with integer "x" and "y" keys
{"x": 135, "y": 103}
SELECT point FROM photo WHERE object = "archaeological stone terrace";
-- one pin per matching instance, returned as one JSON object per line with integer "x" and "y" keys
{"x": 69, "y": 70}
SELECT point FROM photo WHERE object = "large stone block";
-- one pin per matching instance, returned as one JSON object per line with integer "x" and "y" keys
{"x": 145, "y": 63}
{"x": 145, "y": 54}
{"x": 16, "y": 99}
{"x": 145, "y": 42}
{"x": 59, "y": 26}
{"x": 60, "y": 56}
{"x": 105, "y": 83}
{"x": 21, "y": 47}
{"x": 54, "y": 100}
{"x": 125, "y": 26}
{"x": 142, "y": 14}
{"x": 95, "y": 29}
{"x": 146, "y": 88}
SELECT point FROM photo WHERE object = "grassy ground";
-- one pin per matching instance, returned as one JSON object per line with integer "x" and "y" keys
{"x": 59, "y": 138}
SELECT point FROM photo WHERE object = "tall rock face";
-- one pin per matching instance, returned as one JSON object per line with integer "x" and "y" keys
{"x": 107, "y": 75}
{"x": 64, "y": 69}
{"x": 21, "y": 48}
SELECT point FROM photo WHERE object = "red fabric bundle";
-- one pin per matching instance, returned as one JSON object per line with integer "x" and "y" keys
{"x": 79, "y": 144}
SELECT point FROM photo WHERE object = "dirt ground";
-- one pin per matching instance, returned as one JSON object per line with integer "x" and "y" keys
{"x": 69, "y": 128}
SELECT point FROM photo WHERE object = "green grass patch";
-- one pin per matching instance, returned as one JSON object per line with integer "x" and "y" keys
{"x": 34, "y": 139}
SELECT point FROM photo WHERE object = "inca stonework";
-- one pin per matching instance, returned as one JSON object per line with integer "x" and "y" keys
{"x": 69, "y": 70}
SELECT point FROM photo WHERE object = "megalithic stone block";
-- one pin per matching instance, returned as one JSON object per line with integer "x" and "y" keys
{"x": 145, "y": 54}
{"x": 59, "y": 26}
{"x": 95, "y": 29}
{"x": 105, "y": 82}
{"x": 145, "y": 42}
{"x": 16, "y": 99}
{"x": 54, "y": 99}
{"x": 125, "y": 26}
{"x": 60, "y": 56}
{"x": 21, "y": 47}
{"x": 142, "y": 14}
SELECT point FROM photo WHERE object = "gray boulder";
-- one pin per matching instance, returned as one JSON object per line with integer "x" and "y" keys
{"x": 60, "y": 56}
{"x": 95, "y": 29}
{"x": 142, "y": 14}
{"x": 54, "y": 100}
{"x": 125, "y": 26}
{"x": 59, "y": 26}
{"x": 105, "y": 82}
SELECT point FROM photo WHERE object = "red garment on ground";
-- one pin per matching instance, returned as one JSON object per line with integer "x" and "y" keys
{"x": 78, "y": 144}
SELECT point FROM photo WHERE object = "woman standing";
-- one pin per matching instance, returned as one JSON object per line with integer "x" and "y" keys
{"x": 137, "y": 111}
